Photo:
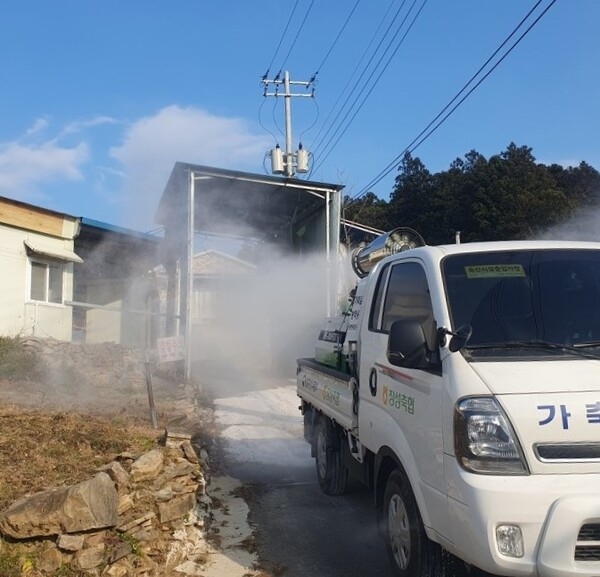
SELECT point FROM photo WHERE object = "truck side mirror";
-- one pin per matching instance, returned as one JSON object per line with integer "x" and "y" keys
{"x": 407, "y": 345}
{"x": 460, "y": 338}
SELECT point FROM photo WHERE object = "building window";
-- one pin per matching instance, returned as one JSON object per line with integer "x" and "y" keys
{"x": 46, "y": 282}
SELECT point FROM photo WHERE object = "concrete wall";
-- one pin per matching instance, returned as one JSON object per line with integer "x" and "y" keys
{"x": 116, "y": 326}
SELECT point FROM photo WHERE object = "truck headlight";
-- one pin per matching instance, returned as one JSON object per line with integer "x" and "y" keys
{"x": 484, "y": 441}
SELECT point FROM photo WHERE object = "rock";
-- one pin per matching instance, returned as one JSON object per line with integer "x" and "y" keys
{"x": 201, "y": 485}
{"x": 125, "y": 504}
{"x": 70, "y": 542}
{"x": 89, "y": 505}
{"x": 147, "y": 534}
{"x": 135, "y": 522}
{"x": 126, "y": 456}
{"x": 116, "y": 472}
{"x": 120, "y": 551}
{"x": 147, "y": 467}
{"x": 93, "y": 539}
{"x": 181, "y": 422}
{"x": 115, "y": 571}
{"x": 176, "y": 508}
{"x": 189, "y": 568}
{"x": 174, "y": 470}
{"x": 91, "y": 557}
{"x": 164, "y": 494}
{"x": 50, "y": 560}
{"x": 189, "y": 453}
{"x": 176, "y": 438}
{"x": 182, "y": 488}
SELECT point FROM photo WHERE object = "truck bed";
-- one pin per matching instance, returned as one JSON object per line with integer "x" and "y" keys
{"x": 327, "y": 389}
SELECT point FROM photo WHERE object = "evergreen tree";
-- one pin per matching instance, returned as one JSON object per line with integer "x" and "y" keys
{"x": 580, "y": 184}
{"x": 411, "y": 202}
{"x": 508, "y": 196}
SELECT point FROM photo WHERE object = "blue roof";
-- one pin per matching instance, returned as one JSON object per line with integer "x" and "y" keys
{"x": 117, "y": 229}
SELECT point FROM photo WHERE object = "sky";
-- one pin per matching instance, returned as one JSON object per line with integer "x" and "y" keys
{"x": 100, "y": 99}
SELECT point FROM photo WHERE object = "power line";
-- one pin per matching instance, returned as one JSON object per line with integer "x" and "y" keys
{"x": 296, "y": 37}
{"x": 413, "y": 148}
{"x": 334, "y": 42}
{"x": 262, "y": 125}
{"x": 304, "y": 131}
{"x": 281, "y": 39}
{"x": 353, "y": 73}
{"x": 424, "y": 134}
{"x": 336, "y": 39}
{"x": 328, "y": 146}
{"x": 317, "y": 143}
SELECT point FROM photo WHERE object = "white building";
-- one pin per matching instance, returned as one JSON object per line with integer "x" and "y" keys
{"x": 36, "y": 260}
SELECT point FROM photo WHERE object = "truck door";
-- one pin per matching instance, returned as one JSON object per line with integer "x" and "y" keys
{"x": 401, "y": 409}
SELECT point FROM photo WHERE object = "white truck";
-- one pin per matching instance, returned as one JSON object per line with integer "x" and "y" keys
{"x": 463, "y": 386}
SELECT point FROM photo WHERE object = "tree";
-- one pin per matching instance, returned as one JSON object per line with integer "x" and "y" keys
{"x": 368, "y": 210}
{"x": 412, "y": 202}
{"x": 580, "y": 184}
{"x": 508, "y": 196}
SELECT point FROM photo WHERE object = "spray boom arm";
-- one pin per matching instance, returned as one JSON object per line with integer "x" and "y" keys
{"x": 365, "y": 257}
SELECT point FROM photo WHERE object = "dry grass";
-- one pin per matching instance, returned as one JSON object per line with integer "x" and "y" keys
{"x": 48, "y": 449}
{"x": 56, "y": 429}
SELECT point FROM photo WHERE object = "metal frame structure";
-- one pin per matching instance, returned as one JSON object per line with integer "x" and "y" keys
{"x": 278, "y": 207}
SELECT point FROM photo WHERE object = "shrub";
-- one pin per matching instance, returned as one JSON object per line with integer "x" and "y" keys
{"x": 16, "y": 362}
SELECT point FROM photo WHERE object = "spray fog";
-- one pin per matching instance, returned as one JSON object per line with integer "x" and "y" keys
{"x": 583, "y": 226}
{"x": 264, "y": 319}
{"x": 267, "y": 313}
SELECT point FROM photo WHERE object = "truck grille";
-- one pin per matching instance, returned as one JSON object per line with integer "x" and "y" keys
{"x": 587, "y": 547}
{"x": 568, "y": 451}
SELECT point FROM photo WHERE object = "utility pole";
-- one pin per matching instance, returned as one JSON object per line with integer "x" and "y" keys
{"x": 288, "y": 162}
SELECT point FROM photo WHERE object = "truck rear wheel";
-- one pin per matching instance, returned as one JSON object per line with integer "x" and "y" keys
{"x": 331, "y": 472}
{"x": 410, "y": 551}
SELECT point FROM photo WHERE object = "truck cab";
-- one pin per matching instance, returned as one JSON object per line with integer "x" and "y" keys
{"x": 468, "y": 398}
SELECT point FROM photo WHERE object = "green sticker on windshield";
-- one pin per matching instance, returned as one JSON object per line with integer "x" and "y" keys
{"x": 495, "y": 270}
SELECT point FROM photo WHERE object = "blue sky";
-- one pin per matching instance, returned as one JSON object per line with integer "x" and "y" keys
{"x": 99, "y": 99}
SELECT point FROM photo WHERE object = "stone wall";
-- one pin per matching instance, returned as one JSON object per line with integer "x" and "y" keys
{"x": 140, "y": 516}
{"x": 106, "y": 364}
{"x": 102, "y": 377}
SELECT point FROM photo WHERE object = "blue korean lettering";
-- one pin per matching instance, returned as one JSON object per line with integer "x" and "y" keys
{"x": 593, "y": 413}
{"x": 551, "y": 412}
{"x": 564, "y": 414}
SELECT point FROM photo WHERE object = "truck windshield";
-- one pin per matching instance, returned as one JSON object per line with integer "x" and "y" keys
{"x": 549, "y": 297}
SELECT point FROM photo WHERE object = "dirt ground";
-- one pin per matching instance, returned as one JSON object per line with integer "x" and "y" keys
{"x": 73, "y": 409}
{"x": 40, "y": 449}
{"x": 45, "y": 446}
{"x": 66, "y": 409}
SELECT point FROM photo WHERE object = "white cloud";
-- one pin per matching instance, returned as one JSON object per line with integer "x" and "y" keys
{"x": 31, "y": 162}
{"x": 81, "y": 125}
{"x": 152, "y": 145}
{"x": 24, "y": 167}
{"x": 38, "y": 126}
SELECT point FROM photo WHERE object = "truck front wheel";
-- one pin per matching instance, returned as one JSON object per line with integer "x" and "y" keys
{"x": 331, "y": 472}
{"x": 411, "y": 552}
